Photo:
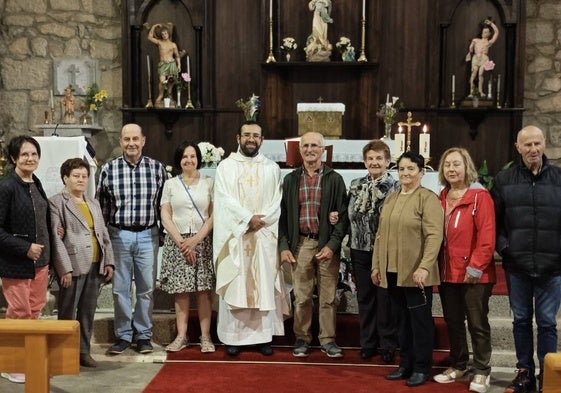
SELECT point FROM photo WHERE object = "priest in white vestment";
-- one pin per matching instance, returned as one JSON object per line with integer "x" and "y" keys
{"x": 249, "y": 281}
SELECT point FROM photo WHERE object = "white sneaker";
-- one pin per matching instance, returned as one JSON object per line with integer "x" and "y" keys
{"x": 450, "y": 375}
{"x": 480, "y": 383}
{"x": 14, "y": 377}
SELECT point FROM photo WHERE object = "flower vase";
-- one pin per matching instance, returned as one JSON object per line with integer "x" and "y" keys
{"x": 387, "y": 138}
{"x": 387, "y": 131}
{"x": 178, "y": 104}
{"x": 288, "y": 57}
{"x": 86, "y": 118}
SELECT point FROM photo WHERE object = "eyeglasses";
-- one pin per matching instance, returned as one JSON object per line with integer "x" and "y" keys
{"x": 249, "y": 136}
{"x": 421, "y": 301}
{"x": 312, "y": 146}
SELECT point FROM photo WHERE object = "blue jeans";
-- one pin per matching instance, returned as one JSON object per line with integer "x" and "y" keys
{"x": 135, "y": 259}
{"x": 547, "y": 293}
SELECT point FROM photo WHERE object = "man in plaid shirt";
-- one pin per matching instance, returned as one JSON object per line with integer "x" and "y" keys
{"x": 129, "y": 192}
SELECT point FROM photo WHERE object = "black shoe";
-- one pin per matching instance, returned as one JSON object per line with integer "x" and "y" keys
{"x": 266, "y": 349}
{"x": 367, "y": 353}
{"x": 144, "y": 346}
{"x": 388, "y": 356}
{"x": 87, "y": 361}
{"x": 417, "y": 379}
{"x": 232, "y": 350}
{"x": 523, "y": 383}
{"x": 119, "y": 347}
{"x": 400, "y": 373}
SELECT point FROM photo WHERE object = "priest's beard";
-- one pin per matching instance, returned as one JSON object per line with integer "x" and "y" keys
{"x": 249, "y": 151}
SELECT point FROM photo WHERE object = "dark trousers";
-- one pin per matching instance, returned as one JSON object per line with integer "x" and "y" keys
{"x": 471, "y": 301}
{"x": 79, "y": 302}
{"x": 416, "y": 326}
{"x": 377, "y": 314}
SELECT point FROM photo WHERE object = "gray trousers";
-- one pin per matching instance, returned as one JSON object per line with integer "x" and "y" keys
{"x": 79, "y": 301}
{"x": 471, "y": 302}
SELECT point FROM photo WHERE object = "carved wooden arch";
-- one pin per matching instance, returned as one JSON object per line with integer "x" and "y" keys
{"x": 507, "y": 12}
{"x": 147, "y": 5}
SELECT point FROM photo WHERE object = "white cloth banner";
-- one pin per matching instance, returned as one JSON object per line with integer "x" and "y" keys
{"x": 54, "y": 151}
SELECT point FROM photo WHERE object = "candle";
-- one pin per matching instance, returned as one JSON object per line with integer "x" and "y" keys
{"x": 271, "y": 9}
{"x": 489, "y": 88}
{"x": 424, "y": 142}
{"x": 498, "y": 87}
{"x": 388, "y": 98}
{"x": 364, "y": 9}
{"x": 52, "y": 100}
{"x": 188, "y": 66}
{"x": 453, "y": 83}
{"x": 400, "y": 141}
{"x": 148, "y": 65}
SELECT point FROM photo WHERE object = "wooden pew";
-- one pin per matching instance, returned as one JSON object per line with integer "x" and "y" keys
{"x": 39, "y": 348}
{"x": 552, "y": 373}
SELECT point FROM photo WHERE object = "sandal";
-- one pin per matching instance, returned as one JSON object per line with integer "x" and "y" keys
{"x": 206, "y": 344}
{"x": 450, "y": 375}
{"x": 178, "y": 344}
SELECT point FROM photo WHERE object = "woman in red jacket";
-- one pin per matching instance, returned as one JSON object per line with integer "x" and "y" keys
{"x": 467, "y": 269}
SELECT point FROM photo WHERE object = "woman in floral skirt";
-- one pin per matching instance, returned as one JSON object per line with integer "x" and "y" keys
{"x": 186, "y": 212}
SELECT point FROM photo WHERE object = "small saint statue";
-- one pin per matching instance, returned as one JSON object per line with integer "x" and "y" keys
{"x": 68, "y": 102}
{"x": 169, "y": 66}
{"x": 318, "y": 47}
{"x": 478, "y": 54}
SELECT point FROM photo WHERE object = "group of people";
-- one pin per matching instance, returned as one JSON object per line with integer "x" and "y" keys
{"x": 275, "y": 242}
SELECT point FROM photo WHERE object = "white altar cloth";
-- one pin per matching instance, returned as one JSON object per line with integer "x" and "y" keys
{"x": 54, "y": 151}
{"x": 344, "y": 150}
{"x": 320, "y": 107}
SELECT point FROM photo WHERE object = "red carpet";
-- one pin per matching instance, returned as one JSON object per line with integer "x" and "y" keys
{"x": 191, "y": 371}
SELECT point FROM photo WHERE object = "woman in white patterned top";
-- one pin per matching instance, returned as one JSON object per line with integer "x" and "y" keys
{"x": 186, "y": 212}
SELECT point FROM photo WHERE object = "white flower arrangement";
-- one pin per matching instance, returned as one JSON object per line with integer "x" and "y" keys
{"x": 388, "y": 110}
{"x": 343, "y": 44}
{"x": 169, "y": 171}
{"x": 210, "y": 153}
{"x": 288, "y": 44}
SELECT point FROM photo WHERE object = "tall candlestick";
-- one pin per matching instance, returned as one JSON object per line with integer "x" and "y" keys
{"x": 52, "y": 100}
{"x": 453, "y": 83}
{"x": 270, "y": 9}
{"x": 363, "y": 9}
{"x": 400, "y": 141}
{"x": 499, "y": 91}
{"x": 489, "y": 88}
{"x": 424, "y": 142}
{"x": 188, "y": 66}
{"x": 148, "y": 65}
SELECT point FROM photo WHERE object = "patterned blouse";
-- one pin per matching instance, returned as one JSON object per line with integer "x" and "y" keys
{"x": 366, "y": 197}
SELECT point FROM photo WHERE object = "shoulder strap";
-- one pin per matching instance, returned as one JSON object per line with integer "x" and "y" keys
{"x": 190, "y": 197}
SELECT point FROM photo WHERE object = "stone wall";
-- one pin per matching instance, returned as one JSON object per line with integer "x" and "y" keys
{"x": 32, "y": 34}
{"x": 542, "y": 91}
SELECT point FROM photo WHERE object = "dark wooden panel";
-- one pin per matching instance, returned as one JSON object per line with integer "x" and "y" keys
{"x": 403, "y": 44}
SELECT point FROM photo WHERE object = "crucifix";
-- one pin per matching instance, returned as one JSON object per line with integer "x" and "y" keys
{"x": 73, "y": 70}
{"x": 409, "y": 123}
{"x": 320, "y": 99}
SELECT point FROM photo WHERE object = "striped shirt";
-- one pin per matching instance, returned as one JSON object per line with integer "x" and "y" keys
{"x": 309, "y": 196}
{"x": 129, "y": 194}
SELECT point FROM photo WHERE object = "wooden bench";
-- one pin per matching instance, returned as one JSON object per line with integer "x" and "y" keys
{"x": 39, "y": 348}
{"x": 552, "y": 373}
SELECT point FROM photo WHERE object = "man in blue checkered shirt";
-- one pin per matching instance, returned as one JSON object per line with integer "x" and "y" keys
{"x": 129, "y": 192}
